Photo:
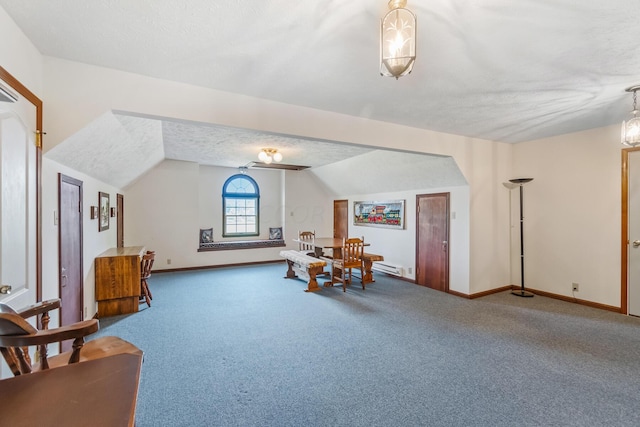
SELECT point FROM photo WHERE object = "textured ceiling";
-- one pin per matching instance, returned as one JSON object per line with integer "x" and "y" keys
{"x": 231, "y": 147}
{"x": 118, "y": 147}
{"x": 506, "y": 70}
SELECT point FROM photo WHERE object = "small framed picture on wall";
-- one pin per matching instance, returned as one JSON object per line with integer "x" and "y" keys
{"x": 103, "y": 211}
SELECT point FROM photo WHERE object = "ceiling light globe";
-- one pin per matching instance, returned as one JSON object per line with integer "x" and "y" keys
{"x": 263, "y": 157}
{"x": 630, "y": 135}
{"x": 277, "y": 157}
{"x": 268, "y": 160}
{"x": 397, "y": 41}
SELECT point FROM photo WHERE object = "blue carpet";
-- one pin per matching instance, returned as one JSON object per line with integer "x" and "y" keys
{"x": 246, "y": 347}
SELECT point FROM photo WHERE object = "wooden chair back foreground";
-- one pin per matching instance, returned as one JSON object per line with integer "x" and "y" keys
{"x": 350, "y": 258}
{"x": 146, "y": 264}
{"x": 306, "y": 242}
{"x": 17, "y": 335}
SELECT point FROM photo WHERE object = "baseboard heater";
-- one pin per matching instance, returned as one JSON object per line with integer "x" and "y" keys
{"x": 384, "y": 267}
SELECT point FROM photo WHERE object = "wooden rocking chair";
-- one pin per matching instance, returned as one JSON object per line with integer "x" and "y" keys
{"x": 17, "y": 335}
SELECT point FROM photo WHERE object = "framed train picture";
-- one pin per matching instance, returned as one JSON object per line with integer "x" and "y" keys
{"x": 388, "y": 214}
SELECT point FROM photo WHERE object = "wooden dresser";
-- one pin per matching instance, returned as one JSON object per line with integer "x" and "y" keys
{"x": 118, "y": 280}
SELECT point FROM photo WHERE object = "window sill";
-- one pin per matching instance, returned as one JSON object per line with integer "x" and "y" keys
{"x": 240, "y": 244}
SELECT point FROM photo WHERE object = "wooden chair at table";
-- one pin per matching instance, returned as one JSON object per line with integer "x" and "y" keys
{"x": 305, "y": 242}
{"x": 145, "y": 272}
{"x": 17, "y": 335}
{"x": 351, "y": 257}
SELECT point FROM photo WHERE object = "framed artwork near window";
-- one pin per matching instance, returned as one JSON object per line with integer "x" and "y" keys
{"x": 103, "y": 211}
{"x": 275, "y": 233}
{"x": 389, "y": 214}
{"x": 206, "y": 235}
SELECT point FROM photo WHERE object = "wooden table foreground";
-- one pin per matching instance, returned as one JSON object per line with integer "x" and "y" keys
{"x": 101, "y": 392}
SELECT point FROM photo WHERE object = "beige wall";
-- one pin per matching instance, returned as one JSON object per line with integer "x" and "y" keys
{"x": 399, "y": 246}
{"x": 167, "y": 207}
{"x": 572, "y": 213}
{"x": 19, "y": 56}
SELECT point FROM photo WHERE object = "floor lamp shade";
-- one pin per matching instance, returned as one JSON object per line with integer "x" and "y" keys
{"x": 520, "y": 183}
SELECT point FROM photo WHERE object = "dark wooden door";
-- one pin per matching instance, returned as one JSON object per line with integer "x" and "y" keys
{"x": 120, "y": 220}
{"x": 432, "y": 241}
{"x": 70, "y": 238}
{"x": 341, "y": 219}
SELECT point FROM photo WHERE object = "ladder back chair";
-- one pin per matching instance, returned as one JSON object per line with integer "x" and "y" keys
{"x": 352, "y": 250}
{"x": 305, "y": 244}
{"x": 17, "y": 335}
{"x": 145, "y": 272}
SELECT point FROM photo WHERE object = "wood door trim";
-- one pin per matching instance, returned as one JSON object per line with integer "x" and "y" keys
{"x": 120, "y": 220}
{"x": 33, "y": 99}
{"x": 624, "y": 234}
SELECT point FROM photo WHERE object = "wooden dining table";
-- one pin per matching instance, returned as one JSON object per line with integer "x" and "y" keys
{"x": 335, "y": 244}
{"x": 322, "y": 243}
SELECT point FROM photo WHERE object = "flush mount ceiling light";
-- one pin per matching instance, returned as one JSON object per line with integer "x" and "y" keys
{"x": 630, "y": 134}
{"x": 397, "y": 40}
{"x": 268, "y": 155}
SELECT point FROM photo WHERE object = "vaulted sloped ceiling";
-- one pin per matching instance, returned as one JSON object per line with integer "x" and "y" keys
{"x": 117, "y": 148}
{"x": 382, "y": 171}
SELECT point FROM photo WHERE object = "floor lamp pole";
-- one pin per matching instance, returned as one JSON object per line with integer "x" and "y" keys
{"x": 521, "y": 293}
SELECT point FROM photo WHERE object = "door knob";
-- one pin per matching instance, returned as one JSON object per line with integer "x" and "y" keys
{"x": 5, "y": 289}
{"x": 636, "y": 243}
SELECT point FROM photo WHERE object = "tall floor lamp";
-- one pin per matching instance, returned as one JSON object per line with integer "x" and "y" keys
{"x": 520, "y": 183}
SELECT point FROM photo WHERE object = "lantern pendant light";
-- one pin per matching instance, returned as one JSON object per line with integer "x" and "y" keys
{"x": 397, "y": 40}
{"x": 630, "y": 134}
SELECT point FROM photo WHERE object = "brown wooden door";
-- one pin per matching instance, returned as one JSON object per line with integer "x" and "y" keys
{"x": 120, "y": 221}
{"x": 432, "y": 241}
{"x": 341, "y": 219}
{"x": 70, "y": 238}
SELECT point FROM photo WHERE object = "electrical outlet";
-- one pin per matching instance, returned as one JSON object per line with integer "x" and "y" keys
{"x": 410, "y": 270}
{"x": 168, "y": 260}
{"x": 576, "y": 287}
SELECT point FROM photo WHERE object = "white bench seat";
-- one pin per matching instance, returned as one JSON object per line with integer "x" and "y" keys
{"x": 303, "y": 266}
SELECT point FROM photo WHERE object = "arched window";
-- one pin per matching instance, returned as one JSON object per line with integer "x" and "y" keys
{"x": 240, "y": 206}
